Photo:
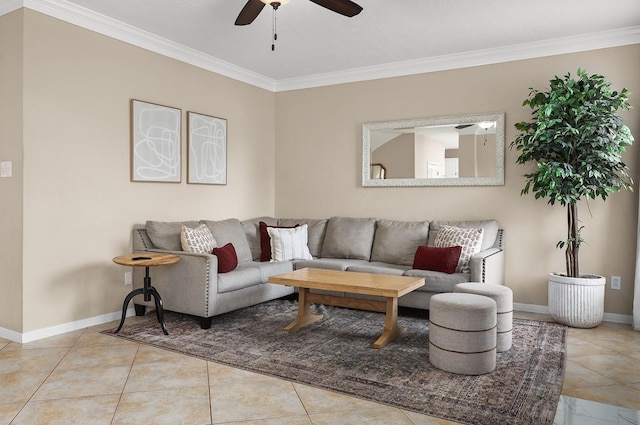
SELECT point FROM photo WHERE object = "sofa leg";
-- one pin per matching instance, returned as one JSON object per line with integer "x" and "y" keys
{"x": 205, "y": 322}
{"x": 140, "y": 309}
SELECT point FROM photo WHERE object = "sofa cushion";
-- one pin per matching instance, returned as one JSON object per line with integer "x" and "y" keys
{"x": 265, "y": 239}
{"x": 199, "y": 240}
{"x": 438, "y": 281}
{"x": 251, "y": 229}
{"x": 328, "y": 263}
{"x": 289, "y": 243}
{"x": 269, "y": 269}
{"x": 349, "y": 237}
{"x": 241, "y": 277}
{"x": 490, "y": 228}
{"x": 438, "y": 259}
{"x": 469, "y": 239}
{"x": 379, "y": 268}
{"x": 227, "y": 258}
{"x": 315, "y": 231}
{"x": 231, "y": 231}
{"x": 396, "y": 242}
{"x": 166, "y": 234}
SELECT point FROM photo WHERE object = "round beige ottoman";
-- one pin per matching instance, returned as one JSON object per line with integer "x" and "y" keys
{"x": 504, "y": 303}
{"x": 462, "y": 333}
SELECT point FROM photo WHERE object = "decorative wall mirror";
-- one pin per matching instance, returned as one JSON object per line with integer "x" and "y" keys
{"x": 461, "y": 150}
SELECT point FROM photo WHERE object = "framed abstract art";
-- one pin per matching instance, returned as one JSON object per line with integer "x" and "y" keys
{"x": 207, "y": 149}
{"x": 155, "y": 143}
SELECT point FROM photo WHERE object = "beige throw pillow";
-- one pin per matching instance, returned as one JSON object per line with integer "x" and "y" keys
{"x": 469, "y": 239}
{"x": 198, "y": 240}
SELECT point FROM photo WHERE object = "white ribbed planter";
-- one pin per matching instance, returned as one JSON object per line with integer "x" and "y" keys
{"x": 577, "y": 302}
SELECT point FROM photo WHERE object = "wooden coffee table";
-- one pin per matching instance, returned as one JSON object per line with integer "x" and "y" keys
{"x": 389, "y": 287}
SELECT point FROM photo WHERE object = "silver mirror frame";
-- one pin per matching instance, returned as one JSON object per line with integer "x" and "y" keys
{"x": 498, "y": 180}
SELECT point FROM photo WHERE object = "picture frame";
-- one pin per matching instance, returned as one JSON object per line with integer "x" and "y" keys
{"x": 207, "y": 149}
{"x": 155, "y": 143}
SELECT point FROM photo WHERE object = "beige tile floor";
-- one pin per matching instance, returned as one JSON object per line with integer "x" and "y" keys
{"x": 84, "y": 377}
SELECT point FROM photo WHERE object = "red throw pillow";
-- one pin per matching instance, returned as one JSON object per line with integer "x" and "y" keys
{"x": 437, "y": 259}
{"x": 265, "y": 240}
{"x": 227, "y": 258}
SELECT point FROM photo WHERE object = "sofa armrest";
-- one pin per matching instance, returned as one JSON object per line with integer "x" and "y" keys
{"x": 488, "y": 266}
{"x": 185, "y": 286}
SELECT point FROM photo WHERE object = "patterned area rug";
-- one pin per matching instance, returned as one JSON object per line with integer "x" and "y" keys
{"x": 336, "y": 354}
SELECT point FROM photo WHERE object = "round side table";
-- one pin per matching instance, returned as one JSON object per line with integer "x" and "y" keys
{"x": 146, "y": 260}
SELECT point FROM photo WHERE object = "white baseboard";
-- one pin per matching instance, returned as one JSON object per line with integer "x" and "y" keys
{"x": 543, "y": 309}
{"x": 531, "y": 308}
{"x": 30, "y": 336}
{"x": 23, "y": 338}
{"x": 618, "y": 318}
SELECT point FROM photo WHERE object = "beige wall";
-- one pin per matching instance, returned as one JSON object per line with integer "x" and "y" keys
{"x": 486, "y": 155}
{"x": 397, "y": 156}
{"x": 79, "y": 205}
{"x": 466, "y": 155}
{"x": 318, "y": 164}
{"x": 11, "y": 187}
{"x": 475, "y": 149}
{"x": 428, "y": 150}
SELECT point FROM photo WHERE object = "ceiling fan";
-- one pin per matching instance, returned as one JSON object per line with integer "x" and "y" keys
{"x": 252, "y": 9}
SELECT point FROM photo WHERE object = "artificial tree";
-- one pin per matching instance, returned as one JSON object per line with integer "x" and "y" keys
{"x": 576, "y": 140}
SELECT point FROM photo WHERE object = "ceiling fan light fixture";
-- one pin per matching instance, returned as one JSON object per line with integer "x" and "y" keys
{"x": 485, "y": 125}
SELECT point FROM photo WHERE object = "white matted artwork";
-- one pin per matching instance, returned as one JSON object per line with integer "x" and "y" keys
{"x": 207, "y": 141}
{"x": 155, "y": 143}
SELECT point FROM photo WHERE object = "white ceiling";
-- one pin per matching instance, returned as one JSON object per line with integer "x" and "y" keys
{"x": 388, "y": 38}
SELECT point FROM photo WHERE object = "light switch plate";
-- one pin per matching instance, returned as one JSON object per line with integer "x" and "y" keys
{"x": 5, "y": 169}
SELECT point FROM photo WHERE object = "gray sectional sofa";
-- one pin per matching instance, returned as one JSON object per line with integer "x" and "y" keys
{"x": 194, "y": 286}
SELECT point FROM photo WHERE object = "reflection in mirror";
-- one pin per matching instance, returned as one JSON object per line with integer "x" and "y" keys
{"x": 378, "y": 171}
{"x": 465, "y": 150}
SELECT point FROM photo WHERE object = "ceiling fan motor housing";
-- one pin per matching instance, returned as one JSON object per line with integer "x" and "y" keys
{"x": 275, "y": 4}
{"x": 252, "y": 8}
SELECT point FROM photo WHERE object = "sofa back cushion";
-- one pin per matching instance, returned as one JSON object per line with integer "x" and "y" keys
{"x": 489, "y": 236}
{"x": 316, "y": 229}
{"x": 231, "y": 231}
{"x": 396, "y": 242}
{"x": 166, "y": 234}
{"x": 349, "y": 237}
{"x": 252, "y": 232}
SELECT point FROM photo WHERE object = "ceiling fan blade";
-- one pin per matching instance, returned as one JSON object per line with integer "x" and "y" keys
{"x": 343, "y": 7}
{"x": 249, "y": 12}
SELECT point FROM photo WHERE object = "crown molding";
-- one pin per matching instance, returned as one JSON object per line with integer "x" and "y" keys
{"x": 88, "y": 19}
{"x": 85, "y": 18}
{"x": 558, "y": 46}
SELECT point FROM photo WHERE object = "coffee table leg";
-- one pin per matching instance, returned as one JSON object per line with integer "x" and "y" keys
{"x": 391, "y": 328}
{"x": 305, "y": 316}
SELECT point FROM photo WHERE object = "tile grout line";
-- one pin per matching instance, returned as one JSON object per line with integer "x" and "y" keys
{"x": 48, "y": 375}
{"x": 113, "y": 417}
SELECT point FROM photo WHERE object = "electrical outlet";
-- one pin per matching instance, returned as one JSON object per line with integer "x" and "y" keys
{"x": 127, "y": 278}
{"x": 616, "y": 282}
{"x": 5, "y": 169}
